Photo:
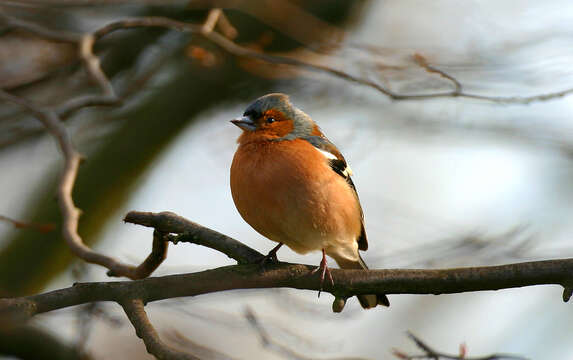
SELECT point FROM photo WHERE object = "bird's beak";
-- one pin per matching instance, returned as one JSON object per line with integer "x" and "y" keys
{"x": 245, "y": 123}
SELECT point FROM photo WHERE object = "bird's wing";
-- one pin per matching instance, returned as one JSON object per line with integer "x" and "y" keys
{"x": 338, "y": 165}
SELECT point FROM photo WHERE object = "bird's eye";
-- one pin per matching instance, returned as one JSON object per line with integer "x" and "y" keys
{"x": 270, "y": 120}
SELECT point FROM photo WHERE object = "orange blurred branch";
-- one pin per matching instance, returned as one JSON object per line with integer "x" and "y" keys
{"x": 44, "y": 228}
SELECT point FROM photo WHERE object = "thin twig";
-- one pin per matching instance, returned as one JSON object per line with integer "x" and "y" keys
{"x": 135, "y": 311}
{"x": 93, "y": 67}
{"x": 212, "y": 19}
{"x": 201, "y": 351}
{"x": 269, "y": 343}
{"x": 93, "y": 64}
{"x": 421, "y": 60}
{"x": 225, "y": 26}
{"x": 431, "y": 354}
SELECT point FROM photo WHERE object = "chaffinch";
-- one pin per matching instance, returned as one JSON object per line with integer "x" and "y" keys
{"x": 293, "y": 186}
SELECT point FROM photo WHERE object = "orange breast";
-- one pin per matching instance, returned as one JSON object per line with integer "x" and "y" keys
{"x": 293, "y": 196}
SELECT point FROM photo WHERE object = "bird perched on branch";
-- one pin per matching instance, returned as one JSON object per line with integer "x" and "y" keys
{"x": 293, "y": 186}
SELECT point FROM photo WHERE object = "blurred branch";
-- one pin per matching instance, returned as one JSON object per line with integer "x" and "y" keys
{"x": 52, "y": 121}
{"x": 431, "y": 354}
{"x": 421, "y": 61}
{"x": 238, "y": 50}
{"x": 269, "y": 343}
{"x": 133, "y": 84}
{"x": 70, "y": 213}
{"x": 92, "y": 65}
{"x": 56, "y": 35}
{"x": 310, "y": 30}
{"x": 478, "y": 248}
{"x": 135, "y": 311}
{"x": 212, "y": 20}
{"x": 44, "y": 228}
{"x": 206, "y": 31}
{"x": 202, "y": 351}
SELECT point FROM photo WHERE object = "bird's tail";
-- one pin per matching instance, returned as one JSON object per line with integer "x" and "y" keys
{"x": 367, "y": 301}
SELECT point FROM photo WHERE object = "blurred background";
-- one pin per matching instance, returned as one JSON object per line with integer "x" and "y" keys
{"x": 443, "y": 182}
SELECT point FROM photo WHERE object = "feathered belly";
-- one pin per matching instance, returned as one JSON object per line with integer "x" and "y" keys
{"x": 295, "y": 199}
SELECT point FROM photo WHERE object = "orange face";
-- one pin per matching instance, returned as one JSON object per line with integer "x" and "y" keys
{"x": 272, "y": 124}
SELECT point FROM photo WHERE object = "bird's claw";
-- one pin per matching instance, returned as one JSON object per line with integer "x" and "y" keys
{"x": 325, "y": 271}
{"x": 270, "y": 257}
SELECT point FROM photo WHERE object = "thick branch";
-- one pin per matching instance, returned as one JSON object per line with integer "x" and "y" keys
{"x": 346, "y": 283}
{"x": 250, "y": 276}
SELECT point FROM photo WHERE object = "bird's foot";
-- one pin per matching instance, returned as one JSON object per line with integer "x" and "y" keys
{"x": 271, "y": 256}
{"x": 324, "y": 271}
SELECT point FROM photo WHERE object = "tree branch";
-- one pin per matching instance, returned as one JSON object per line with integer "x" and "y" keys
{"x": 269, "y": 343}
{"x": 347, "y": 283}
{"x": 135, "y": 311}
{"x": 421, "y": 61}
{"x": 56, "y": 35}
{"x": 431, "y": 354}
{"x": 132, "y": 295}
{"x": 70, "y": 213}
{"x": 206, "y": 31}
{"x": 94, "y": 70}
{"x": 52, "y": 121}
{"x": 191, "y": 232}
{"x": 199, "y": 350}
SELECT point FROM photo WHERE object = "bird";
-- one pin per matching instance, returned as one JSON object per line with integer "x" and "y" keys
{"x": 294, "y": 187}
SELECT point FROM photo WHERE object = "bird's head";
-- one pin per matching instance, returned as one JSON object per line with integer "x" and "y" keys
{"x": 274, "y": 117}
